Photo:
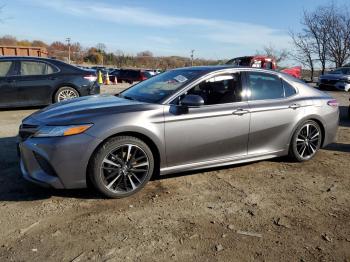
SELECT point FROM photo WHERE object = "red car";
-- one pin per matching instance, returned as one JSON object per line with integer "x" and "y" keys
{"x": 260, "y": 61}
{"x": 129, "y": 75}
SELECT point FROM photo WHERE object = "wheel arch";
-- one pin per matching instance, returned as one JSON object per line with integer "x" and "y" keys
{"x": 313, "y": 118}
{"x": 149, "y": 142}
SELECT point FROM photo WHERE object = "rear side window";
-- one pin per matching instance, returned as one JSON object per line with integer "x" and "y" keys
{"x": 288, "y": 89}
{"x": 264, "y": 86}
{"x": 36, "y": 68}
{"x": 5, "y": 67}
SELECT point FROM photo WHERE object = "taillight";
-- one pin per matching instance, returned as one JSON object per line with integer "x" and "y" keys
{"x": 91, "y": 78}
{"x": 333, "y": 103}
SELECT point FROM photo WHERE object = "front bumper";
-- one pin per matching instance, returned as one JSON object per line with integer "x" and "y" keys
{"x": 58, "y": 162}
{"x": 344, "y": 86}
{"x": 340, "y": 85}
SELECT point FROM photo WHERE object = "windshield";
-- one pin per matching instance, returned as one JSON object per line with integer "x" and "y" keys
{"x": 158, "y": 87}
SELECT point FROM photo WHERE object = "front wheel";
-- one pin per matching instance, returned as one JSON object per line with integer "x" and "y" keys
{"x": 306, "y": 141}
{"x": 121, "y": 166}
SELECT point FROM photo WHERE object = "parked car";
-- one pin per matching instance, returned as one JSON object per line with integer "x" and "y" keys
{"x": 33, "y": 81}
{"x": 180, "y": 120}
{"x": 336, "y": 79}
{"x": 130, "y": 75}
{"x": 261, "y": 61}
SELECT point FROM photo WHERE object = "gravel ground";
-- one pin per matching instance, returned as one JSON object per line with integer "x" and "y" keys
{"x": 272, "y": 210}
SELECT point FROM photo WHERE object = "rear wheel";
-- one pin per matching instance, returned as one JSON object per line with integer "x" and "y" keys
{"x": 306, "y": 141}
{"x": 122, "y": 166}
{"x": 65, "y": 93}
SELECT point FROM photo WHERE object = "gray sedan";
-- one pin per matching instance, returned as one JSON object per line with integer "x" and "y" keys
{"x": 180, "y": 120}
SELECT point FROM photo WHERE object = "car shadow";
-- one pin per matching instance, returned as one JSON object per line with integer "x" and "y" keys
{"x": 340, "y": 147}
{"x": 344, "y": 116}
{"x": 22, "y": 108}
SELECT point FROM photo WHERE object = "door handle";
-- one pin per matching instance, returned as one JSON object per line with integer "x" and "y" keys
{"x": 294, "y": 106}
{"x": 240, "y": 111}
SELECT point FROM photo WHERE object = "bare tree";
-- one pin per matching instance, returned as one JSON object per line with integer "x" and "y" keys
{"x": 278, "y": 54}
{"x": 303, "y": 52}
{"x": 145, "y": 54}
{"x": 339, "y": 35}
{"x": 101, "y": 47}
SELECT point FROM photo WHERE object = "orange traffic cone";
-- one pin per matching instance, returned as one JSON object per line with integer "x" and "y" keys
{"x": 107, "y": 79}
{"x": 115, "y": 80}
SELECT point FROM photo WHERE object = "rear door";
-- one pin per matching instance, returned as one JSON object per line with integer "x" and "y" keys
{"x": 37, "y": 82}
{"x": 8, "y": 91}
{"x": 274, "y": 108}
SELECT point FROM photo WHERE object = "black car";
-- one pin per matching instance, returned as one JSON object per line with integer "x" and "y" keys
{"x": 336, "y": 79}
{"x": 34, "y": 81}
{"x": 130, "y": 75}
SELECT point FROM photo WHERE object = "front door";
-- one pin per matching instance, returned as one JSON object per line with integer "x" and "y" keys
{"x": 217, "y": 130}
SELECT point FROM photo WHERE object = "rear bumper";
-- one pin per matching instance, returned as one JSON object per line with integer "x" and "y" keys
{"x": 95, "y": 89}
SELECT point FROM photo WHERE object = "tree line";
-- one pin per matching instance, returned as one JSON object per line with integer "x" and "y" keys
{"x": 98, "y": 55}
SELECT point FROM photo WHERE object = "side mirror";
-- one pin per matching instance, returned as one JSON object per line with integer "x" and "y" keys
{"x": 192, "y": 100}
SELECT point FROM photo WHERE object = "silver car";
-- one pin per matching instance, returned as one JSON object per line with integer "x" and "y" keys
{"x": 180, "y": 120}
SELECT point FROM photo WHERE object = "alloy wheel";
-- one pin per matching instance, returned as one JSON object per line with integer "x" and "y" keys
{"x": 308, "y": 141}
{"x": 66, "y": 94}
{"x": 124, "y": 169}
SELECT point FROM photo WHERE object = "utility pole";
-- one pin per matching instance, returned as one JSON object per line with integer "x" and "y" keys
{"x": 192, "y": 51}
{"x": 68, "y": 42}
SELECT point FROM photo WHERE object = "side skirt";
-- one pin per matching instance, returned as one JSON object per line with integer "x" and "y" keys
{"x": 221, "y": 162}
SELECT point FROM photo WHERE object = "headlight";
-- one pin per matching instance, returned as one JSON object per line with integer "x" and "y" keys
{"x": 52, "y": 131}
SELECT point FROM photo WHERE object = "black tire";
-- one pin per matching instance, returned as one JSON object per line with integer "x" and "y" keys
{"x": 349, "y": 112}
{"x": 310, "y": 143}
{"x": 65, "y": 90}
{"x": 102, "y": 174}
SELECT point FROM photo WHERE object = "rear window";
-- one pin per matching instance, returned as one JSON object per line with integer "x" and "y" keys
{"x": 36, "y": 68}
{"x": 288, "y": 89}
{"x": 264, "y": 86}
{"x": 5, "y": 67}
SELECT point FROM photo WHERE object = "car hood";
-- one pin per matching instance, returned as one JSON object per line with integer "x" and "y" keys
{"x": 83, "y": 108}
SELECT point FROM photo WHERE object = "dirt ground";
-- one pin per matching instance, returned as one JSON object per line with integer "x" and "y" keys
{"x": 272, "y": 210}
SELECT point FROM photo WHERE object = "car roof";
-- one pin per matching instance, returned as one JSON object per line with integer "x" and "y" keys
{"x": 27, "y": 58}
{"x": 223, "y": 67}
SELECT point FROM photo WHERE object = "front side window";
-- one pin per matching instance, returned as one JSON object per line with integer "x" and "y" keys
{"x": 264, "y": 86}
{"x": 220, "y": 89}
{"x": 36, "y": 68}
{"x": 5, "y": 67}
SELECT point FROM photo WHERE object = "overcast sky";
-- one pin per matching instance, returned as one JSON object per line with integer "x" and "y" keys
{"x": 215, "y": 29}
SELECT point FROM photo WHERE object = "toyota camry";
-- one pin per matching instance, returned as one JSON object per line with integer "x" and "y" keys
{"x": 180, "y": 120}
